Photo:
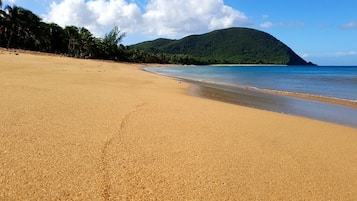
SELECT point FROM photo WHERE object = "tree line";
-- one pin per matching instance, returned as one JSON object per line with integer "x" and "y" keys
{"x": 20, "y": 28}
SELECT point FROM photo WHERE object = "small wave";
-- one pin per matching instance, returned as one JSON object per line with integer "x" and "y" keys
{"x": 316, "y": 97}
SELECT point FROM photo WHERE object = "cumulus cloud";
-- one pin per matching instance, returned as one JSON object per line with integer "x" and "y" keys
{"x": 115, "y": 12}
{"x": 158, "y": 17}
{"x": 349, "y": 25}
{"x": 186, "y": 16}
{"x": 96, "y": 15}
{"x": 69, "y": 12}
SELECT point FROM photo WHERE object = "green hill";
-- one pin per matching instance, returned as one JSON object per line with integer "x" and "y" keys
{"x": 227, "y": 46}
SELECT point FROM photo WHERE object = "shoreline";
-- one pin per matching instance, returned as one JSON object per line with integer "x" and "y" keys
{"x": 323, "y": 108}
{"x": 334, "y": 100}
{"x": 248, "y": 65}
{"x": 326, "y": 99}
{"x": 297, "y": 105}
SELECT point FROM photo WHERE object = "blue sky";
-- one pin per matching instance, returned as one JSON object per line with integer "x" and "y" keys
{"x": 321, "y": 31}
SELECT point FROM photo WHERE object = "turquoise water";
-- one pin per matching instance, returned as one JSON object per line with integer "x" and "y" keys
{"x": 336, "y": 82}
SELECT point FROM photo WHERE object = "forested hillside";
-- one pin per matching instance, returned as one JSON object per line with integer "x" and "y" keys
{"x": 233, "y": 45}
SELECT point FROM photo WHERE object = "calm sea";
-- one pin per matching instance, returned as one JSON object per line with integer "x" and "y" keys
{"x": 336, "y": 82}
{"x": 231, "y": 83}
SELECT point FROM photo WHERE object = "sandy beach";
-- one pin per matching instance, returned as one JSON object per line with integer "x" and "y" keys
{"x": 74, "y": 129}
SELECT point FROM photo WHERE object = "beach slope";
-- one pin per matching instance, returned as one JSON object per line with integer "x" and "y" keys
{"x": 74, "y": 129}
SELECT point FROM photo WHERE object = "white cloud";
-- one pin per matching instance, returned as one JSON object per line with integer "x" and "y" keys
{"x": 269, "y": 24}
{"x": 9, "y": 1}
{"x": 96, "y": 15}
{"x": 349, "y": 25}
{"x": 305, "y": 55}
{"x": 181, "y": 17}
{"x": 169, "y": 18}
{"x": 338, "y": 54}
{"x": 344, "y": 54}
{"x": 115, "y": 12}
{"x": 227, "y": 17}
{"x": 70, "y": 12}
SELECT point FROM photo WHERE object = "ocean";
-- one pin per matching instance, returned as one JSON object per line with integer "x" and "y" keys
{"x": 248, "y": 83}
{"x": 336, "y": 82}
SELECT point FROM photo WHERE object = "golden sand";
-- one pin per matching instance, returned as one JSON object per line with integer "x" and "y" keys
{"x": 74, "y": 129}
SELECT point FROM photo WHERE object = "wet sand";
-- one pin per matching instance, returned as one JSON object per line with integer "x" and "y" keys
{"x": 321, "y": 108}
{"x": 74, "y": 129}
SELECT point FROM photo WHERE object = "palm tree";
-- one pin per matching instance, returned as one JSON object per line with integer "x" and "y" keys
{"x": 114, "y": 37}
{"x": 2, "y": 16}
{"x": 21, "y": 24}
{"x": 31, "y": 30}
{"x": 57, "y": 37}
{"x": 72, "y": 35}
{"x": 86, "y": 41}
{"x": 11, "y": 22}
{"x": 111, "y": 43}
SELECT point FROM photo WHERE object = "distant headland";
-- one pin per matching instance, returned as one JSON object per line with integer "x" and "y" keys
{"x": 225, "y": 46}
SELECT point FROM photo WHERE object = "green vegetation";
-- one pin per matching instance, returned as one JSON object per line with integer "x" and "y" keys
{"x": 22, "y": 29}
{"x": 227, "y": 46}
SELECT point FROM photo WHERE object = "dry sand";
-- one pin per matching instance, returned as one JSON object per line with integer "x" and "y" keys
{"x": 75, "y": 129}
